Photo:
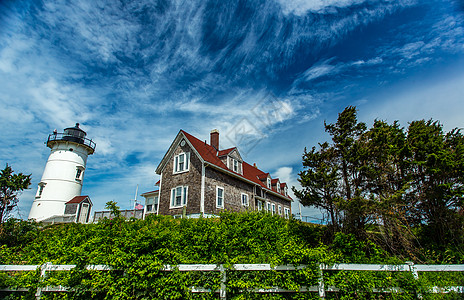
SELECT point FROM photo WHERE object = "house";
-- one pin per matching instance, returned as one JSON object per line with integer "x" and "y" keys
{"x": 151, "y": 202}
{"x": 199, "y": 179}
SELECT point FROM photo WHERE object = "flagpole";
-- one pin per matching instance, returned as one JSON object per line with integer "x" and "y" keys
{"x": 135, "y": 198}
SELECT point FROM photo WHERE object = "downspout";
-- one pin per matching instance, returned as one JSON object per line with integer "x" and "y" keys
{"x": 159, "y": 194}
{"x": 202, "y": 193}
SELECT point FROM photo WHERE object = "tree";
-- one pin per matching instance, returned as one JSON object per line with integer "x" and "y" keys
{"x": 404, "y": 182}
{"x": 114, "y": 208}
{"x": 320, "y": 183}
{"x": 437, "y": 180}
{"x": 345, "y": 134}
{"x": 10, "y": 186}
{"x": 386, "y": 174}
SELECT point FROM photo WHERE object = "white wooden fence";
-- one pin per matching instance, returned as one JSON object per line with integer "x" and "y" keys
{"x": 320, "y": 288}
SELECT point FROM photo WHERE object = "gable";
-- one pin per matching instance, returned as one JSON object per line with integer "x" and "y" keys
{"x": 235, "y": 154}
{"x": 180, "y": 138}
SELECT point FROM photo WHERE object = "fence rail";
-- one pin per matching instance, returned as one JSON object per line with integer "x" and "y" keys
{"x": 320, "y": 288}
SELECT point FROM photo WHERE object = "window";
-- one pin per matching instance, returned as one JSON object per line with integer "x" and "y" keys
{"x": 219, "y": 197}
{"x": 287, "y": 212}
{"x": 182, "y": 162}
{"x": 278, "y": 187}
{"x": 244, "y": 199}
{"x": 280, "y": 210}
{"x": 235, "y": 165}
{"x": 179, "y": 196}
{"x": 268, "y": 183}
{"x": 152, "y": 204}
{"x": 41, "y": 188}
{"x": 285, "y": 190}
{"x": 78, "y": 174}
{"x": 273, "y": 209}
{"x": 155, "y": 204}
{"x": 268, "y": 206}
{"x": 259, "y": 205}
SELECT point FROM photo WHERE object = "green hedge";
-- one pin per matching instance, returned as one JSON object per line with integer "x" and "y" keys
{"x": 137, "y": 249}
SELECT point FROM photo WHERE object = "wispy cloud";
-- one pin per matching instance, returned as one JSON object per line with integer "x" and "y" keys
{"x": 134, "y": 73}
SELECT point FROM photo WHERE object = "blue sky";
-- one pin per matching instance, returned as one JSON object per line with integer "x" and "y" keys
{"x": 265, "y": 73}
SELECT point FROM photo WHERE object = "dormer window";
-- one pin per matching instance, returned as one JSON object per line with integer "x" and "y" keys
{"x": 268, "y": 183}
{"x": 278, "y": 187}
{"x": 235, "y": 165}
{"x": 285, "y": 191}
{"x": 182, "y": 162}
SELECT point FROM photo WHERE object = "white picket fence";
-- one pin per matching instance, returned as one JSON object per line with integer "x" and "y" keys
{"x": 320, "y": 288}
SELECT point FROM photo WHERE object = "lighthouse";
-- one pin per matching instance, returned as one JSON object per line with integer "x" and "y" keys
{"x": 63, "y": 174}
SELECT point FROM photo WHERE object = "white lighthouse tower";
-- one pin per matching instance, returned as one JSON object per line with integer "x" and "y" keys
{"x": 64, "y": 172}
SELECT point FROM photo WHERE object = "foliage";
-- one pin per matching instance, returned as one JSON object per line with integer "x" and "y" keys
{"x": 114, "y": 208}
{"x": 137, "y": 250}
{"x": 404, "y": 189}
{"x": 10, "y": 185}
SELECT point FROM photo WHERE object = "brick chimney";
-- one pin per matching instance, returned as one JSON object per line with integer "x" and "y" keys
{"x": 214, "y": 139}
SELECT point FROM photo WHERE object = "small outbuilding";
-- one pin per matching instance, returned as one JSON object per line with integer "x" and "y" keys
{"x": 80, "y": 207}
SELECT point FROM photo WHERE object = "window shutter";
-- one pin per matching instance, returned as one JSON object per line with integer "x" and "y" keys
{"x": 185, "y": 198}
{"x": 173, "y": 196}
{"x": 176, "y": 159}
{"x": 187, "y": 160}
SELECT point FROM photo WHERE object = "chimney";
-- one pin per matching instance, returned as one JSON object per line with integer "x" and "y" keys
{"x": 254, "y": 165}
{"x": 214, "y": 139}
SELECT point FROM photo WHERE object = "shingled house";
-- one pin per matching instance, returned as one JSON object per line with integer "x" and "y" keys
{"x": 199, "y": 179}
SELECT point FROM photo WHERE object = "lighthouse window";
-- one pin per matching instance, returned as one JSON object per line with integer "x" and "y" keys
{"x": 78, "y": 174}
{"x": 182, "y": 162}
{"x": 41, "y": 188}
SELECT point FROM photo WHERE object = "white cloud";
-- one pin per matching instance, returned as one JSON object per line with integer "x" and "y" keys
{"x": 301, "y": 7}
{"x": 441, "y": 98}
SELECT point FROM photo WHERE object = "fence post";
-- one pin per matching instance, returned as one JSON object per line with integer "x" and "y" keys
{"x": 43, "y": 273}
{"x": 413, "y": 270}
{"x": 222, "y": 291}
{"x": 321, "y": 288}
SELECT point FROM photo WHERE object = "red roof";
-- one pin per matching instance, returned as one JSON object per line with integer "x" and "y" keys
{"x": 209, "y": 154}
{"x": 77, "y": 199}
{"x": 225, "y": 152}
{"x": 274, "y": 181}
{"x": 147, "y": 193}
{"x": 158, "y": 183}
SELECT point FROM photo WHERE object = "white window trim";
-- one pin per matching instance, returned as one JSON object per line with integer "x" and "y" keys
{"x": 247, "y": 199}
{"x": 278, "y": 187}
{"x": 268, "y": 206}
{"x": 155, "y": 202}
{"x": 280, "y": 210}
{"x": 273, "y": 209}
{"x": 234, "y": 161}
{"x": 183, "y": 199}
{"x": 286, "y": 212}
{"x": 40, "y": 189}
{"x": 80, "y": 171}
{"x": 176, "y": 163}
{"x": 217, "y": 194}
{"x": 269, "y": 183}
{"x": 259, "y": 205}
